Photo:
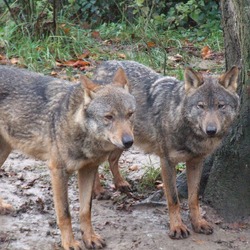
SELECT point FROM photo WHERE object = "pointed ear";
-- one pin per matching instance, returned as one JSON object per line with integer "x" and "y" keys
{"x": 192, "y": 79}
{"x": 89, "y": 88}
{"x": 229, "y": 80}
{"x": 120, "y": 79}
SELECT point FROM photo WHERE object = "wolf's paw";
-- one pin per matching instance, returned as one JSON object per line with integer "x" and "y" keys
{"x": 123, "y": 186}
{"x": 179, "y": 232}
{"x": 202, "y": 227}
{"x": 72, "y": 245}
{"x": 5, "y": 208}
{"x": 94, "y": 241}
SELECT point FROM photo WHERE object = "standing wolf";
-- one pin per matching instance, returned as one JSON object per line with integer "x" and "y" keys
{"x": 179, "y": 122}
{"x": 72, "y": 126}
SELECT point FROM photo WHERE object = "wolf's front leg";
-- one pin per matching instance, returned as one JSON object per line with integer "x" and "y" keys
{"x": 59, "y": 179}
{"x": 86, "y": 177}
{"x": 194, "y": 170}
{"x": 178, "y": 230}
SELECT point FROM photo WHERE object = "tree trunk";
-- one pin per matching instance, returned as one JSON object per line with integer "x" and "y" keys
{"x": 228, "y": 187}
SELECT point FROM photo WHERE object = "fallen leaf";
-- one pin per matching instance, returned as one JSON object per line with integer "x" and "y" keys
{"x": 85, "y": 54}
{"x": 80, "y": 63}
{"x": 66, "y": 30}
{"x": 73, "y": 63}
{"x": 206, "y": 53}
{"x": 217, "y": 222}
{"x": 14, "y": 60}
{"x": 96, "y": 35}
{"x": 101, "y": 176}
{"x": 160, "y": 186}
{"x": 243, "y": 239}
{"x": 238, "y": 225}
{"x": 134, "y": 168}
{"x": 200, "y": 242}
{"x": 107, "y": 42}
{"x": 175, "y": 58}
{"x": 151, "y": 44}
{"x": 68, "y": 63}
{"x": 31, "y": 183}
{"x": 121, "y": 55}
{"x": 59, "y": 64}
{"x": 53, "y": 73}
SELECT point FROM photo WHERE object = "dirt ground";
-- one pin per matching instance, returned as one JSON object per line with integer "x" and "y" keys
{"x": 125, "y": 224}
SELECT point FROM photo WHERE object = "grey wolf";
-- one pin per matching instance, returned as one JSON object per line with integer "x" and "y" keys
{"x": 179, "y": 122}
{"x": 73, "y": 127}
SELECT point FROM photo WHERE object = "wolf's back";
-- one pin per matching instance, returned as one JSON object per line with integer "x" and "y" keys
{"x": 30, "y": 101}
{"x": 149, "y": 87}
{"x": 136, "y": 72}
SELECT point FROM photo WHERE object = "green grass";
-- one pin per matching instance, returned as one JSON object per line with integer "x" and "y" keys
{"x": 133, "y": 40}
{"x": 149, "y": 178}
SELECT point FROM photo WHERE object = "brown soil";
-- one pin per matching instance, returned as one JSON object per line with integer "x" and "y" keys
{"x": 125, "y": 221}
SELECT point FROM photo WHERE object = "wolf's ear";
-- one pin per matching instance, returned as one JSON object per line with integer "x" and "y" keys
{"x": 230, "y": 78}
{"x": 89, "y": 88}
{"x": 120, "y": 79}
{"x": 192, "y": 79}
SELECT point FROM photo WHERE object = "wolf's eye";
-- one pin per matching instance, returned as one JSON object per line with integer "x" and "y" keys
{"x": 221, "y": 106}
{"x": 108, "y": 117}
{"x": 129, "y": 114}
{"x": 200, "y": 106}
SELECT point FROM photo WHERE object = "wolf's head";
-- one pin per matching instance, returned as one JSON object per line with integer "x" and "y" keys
{"x": 211, "y": 102}
{"x": 108, "y": 111}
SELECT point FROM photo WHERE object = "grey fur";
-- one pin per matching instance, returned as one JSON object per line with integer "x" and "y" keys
{"x": 179, "y": 122}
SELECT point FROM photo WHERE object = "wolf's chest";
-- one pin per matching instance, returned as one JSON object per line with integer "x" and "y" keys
{"x": 193, "y": 148}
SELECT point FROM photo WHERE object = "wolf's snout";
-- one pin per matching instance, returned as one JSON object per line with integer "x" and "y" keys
{"x": 127, "y": 141}
{"x": 211, "y": 130}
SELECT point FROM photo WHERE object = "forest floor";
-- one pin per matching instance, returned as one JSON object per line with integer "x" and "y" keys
{"x": 126, "y": 222}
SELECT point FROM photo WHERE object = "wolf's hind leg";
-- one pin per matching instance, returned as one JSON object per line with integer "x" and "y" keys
{"x": 119, "y": 181}
{"x": 98, "y": 191}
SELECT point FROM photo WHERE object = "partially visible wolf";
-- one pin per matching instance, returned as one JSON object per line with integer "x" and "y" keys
{"x": 72, "y": 126}
{"x": 179, "y": 122}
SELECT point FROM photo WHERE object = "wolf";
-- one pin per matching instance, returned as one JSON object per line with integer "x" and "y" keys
{"x": 73, "y": 127}
{"x": 179, "y": 122}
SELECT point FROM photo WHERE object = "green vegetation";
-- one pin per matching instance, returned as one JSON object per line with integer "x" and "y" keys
{"x": 165, "y": 35}
{"x": 149, "y": 178}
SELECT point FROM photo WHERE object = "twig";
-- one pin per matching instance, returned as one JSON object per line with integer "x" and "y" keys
{"x": 6, "y": 3}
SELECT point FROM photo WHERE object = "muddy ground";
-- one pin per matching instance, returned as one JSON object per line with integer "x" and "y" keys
{"x": 125, "y": 222}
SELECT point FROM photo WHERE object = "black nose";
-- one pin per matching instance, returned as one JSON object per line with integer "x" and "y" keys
{"x": 211, "y": 130}
{"x": 127, "y": 141}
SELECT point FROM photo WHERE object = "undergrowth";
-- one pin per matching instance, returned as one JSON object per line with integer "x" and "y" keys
{"x": 149, "y": 39}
